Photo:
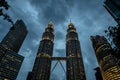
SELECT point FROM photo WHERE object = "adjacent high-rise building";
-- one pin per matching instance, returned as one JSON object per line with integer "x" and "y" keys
{"x": 10, "y": 64}
{"x": 74, "y": 64}
{"x": 15, "y": 37}
{"x": 109, "y": 68}
{"x": 113, "y": 7}
{"x": 10, "y": 60}
{"x": 42, "y": 65}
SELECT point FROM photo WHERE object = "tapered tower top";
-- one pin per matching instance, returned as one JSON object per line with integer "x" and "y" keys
{"x": 50, "y": 27}
{"x": 50, "y": 24}
{"x": 70, "y": 25}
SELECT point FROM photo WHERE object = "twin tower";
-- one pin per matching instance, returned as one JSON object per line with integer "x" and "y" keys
{"x": 74, "y": 62}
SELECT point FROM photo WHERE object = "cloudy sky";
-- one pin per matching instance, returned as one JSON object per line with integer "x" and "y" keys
{"x": 88, "y": 16}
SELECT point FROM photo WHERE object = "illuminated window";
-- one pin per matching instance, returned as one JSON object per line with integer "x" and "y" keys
{"x": 72, "y": 30}
{"x": 70, "y": 26}
{"x": 5, "y": 79}
{"x": 112, "y": 73}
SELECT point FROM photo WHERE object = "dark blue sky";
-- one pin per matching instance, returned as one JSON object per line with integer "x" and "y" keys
{"x": 88, "y": 16}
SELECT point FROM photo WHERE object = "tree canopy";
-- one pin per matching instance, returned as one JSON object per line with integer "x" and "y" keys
{"x": 113, "y": 33}
{"x": 4, "y": 5}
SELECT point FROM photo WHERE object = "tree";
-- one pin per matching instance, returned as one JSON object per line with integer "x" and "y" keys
{"x": 4, "y": 5}
{"x": 113, "y": 33}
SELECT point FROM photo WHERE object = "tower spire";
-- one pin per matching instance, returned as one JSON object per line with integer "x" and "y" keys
{"x": 70, "y": 20}
{"x": 74, "y": 64}
{"x": 42, "y": 65}
{"x": 70, "y": 24}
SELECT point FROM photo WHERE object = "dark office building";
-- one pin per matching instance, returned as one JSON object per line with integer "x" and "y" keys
{"x": 15, "y": 37}
{"x": 98, "y": 74}
{"x": 42, "y": 65}
{"x": 74, "y": 64}
{"x": 113, "y": 7}
{"x": 10, "y": 60}
{"x": 10, "y": 64}
{"x": 109, "y": 68}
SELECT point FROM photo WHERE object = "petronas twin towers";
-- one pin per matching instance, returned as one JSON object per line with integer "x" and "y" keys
{"x": 74, "y": 62}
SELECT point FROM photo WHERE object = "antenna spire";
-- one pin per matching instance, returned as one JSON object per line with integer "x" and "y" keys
{"x": 70, "y": 20}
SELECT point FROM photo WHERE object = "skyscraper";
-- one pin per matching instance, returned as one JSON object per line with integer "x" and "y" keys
{"x": 113, "y": 7}
{"x": 10, "y": 61}
{"x": 42, "y": 65}
{"x": 10, "y": 64}
{"x": 15, "y": 37}
{"x": 108, "y": 66}
{"x": 74, "y": 64}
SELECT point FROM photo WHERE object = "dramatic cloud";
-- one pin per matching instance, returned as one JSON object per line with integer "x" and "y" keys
{"x": 89, "y": 18}
{"x": 55, "y": 10}
{"x": 60, "y": 52}
{"x": 59, "y": 35}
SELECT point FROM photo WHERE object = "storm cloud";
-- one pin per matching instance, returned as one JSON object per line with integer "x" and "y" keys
{"x": 55, "y": 10}
{"x": 89, "y": 18}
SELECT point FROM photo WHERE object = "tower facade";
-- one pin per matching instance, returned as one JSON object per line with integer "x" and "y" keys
{"x": 74, "y": 64}
{"x": 42, "y": 65}
{"x": 109, "y": 68}
{"x": 10, "y": 61}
